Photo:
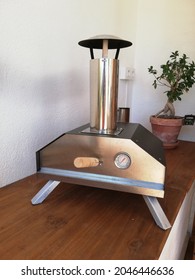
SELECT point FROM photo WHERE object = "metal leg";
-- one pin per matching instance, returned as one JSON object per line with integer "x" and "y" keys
{"x": 44, "y": 192}
{"x": 157, "y": 212}
{"x": 152, "y": 203}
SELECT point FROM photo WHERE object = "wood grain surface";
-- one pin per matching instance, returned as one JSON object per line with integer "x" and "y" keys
{"x": 78, "y": 222}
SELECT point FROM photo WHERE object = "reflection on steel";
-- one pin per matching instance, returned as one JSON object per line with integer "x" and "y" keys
{"x": 123, "y": 114}
{"x": 108, "y": 182}
{"x": 95, "y": 131}
{"x": 103, "y": 94}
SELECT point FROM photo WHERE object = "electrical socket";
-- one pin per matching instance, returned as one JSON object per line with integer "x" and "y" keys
{"x": 127, "y": 73}
{"x": 130, "y": 73}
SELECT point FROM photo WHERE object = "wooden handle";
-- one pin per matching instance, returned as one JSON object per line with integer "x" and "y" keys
{"x": 82, "y": 162}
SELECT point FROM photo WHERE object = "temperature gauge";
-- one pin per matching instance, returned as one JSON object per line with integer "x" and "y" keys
{"x": 122, "y": 160}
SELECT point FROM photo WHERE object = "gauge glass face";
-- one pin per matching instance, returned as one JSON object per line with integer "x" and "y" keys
{"x": 122, "y": 160}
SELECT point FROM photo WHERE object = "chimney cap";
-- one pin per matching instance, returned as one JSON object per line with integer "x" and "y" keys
{"x": 96, "y": 42}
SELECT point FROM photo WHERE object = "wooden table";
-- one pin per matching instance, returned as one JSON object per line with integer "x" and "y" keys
{"x": 77, "y": 222}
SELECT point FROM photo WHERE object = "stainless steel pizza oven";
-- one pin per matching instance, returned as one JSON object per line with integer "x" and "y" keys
{"x": 105, "y": 153}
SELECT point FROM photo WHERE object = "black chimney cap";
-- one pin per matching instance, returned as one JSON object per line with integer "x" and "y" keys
{"x": 97, "y": 42}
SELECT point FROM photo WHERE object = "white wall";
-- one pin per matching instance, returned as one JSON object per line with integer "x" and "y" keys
{"x": 162, "y": 27}
{"x": 44, "y": 86}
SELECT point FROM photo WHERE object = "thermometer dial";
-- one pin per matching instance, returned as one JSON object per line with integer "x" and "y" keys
{"x": 122, "y": 160}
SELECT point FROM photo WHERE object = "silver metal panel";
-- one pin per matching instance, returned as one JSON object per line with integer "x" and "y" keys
{"x": 145, "y": 174}
{"x": 103, "y": 94}
{"x": 105, "y": 182}
{"x": 94, "y": 131}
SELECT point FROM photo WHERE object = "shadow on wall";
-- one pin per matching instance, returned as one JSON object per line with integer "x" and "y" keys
{"x": 34, "y": 112}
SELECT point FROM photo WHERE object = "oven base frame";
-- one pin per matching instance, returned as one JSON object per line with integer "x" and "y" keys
{"x": 152, "y": 203}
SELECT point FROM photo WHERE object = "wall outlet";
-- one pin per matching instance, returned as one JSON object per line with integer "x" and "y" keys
{"x": 126, "y": 73}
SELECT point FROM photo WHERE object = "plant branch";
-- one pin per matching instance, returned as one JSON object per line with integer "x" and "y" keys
{"x": 178, "y": 75}
{"x": 168, "y": 110}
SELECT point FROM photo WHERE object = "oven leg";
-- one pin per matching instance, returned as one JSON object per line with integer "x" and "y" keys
{"x": 152, "y": 203}
{"x": 157, "y": 212}
{"x": 44, "y": 192}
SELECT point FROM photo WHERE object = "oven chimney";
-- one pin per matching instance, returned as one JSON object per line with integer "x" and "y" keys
{"x": 104, "y": 74}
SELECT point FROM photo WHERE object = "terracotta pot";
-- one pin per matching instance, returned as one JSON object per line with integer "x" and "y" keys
{"x": 167, "y": 130}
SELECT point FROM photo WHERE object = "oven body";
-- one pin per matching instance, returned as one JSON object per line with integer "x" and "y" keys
{"x": 144, "y": 175}
{"x": 106, "y": 154}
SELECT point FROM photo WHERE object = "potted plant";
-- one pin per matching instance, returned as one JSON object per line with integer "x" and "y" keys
{"x": 177, "y": 76}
